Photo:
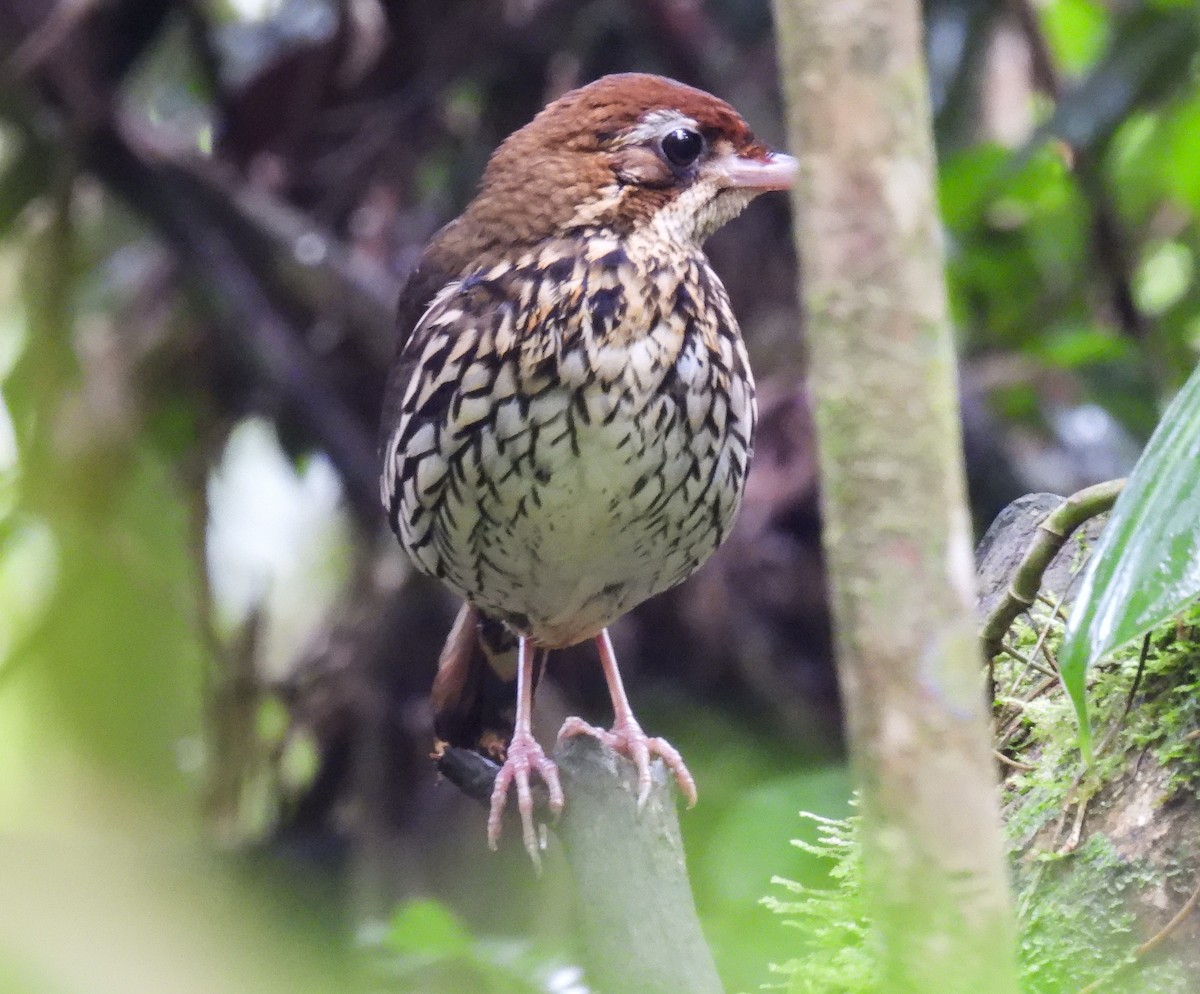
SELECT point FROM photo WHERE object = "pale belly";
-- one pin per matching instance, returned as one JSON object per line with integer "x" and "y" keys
{"x": 560, "y": 523}
{"x": 557, "y": 463}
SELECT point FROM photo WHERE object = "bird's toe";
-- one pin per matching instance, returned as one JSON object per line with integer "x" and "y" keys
{"x": 524, "y": 756}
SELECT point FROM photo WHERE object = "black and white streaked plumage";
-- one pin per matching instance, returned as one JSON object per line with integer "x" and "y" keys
{"x": 569, "y": 423}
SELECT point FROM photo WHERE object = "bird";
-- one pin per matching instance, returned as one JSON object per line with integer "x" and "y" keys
{"x": 569, "y": 419}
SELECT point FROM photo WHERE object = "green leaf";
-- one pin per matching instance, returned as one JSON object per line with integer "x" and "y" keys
{"x": 428, "y": 930}
{"x": 1077, "y": 31}
{"x": 1146, "y": 566}
{"x": 1163, "y": 277}
{"x": 1147, "y": 63}
{"x": 966, "y": 179}
{"x": 1072, "y": 346}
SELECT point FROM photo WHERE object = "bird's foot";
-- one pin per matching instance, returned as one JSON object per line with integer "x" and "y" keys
{"x": 627, "y": 738}
{"x": 524, "y": 757}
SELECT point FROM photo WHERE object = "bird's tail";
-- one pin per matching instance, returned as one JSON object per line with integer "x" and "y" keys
{"x": 474, "y": 697}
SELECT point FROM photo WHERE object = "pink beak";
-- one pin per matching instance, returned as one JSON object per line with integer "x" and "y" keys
{"x": 775, "y": 172}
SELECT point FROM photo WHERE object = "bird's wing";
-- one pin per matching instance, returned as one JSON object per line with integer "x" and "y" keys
{"x": 472, "y": 695}
{"x": 437, "y": 267}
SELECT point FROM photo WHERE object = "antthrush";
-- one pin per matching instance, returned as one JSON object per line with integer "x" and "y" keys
{"x": 570, "y": 416}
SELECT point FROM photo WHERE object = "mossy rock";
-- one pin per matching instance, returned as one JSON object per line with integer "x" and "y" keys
{"x": 1104, "y": 860}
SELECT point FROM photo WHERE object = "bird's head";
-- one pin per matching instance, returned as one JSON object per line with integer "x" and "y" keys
{"x": 627, "y": 152}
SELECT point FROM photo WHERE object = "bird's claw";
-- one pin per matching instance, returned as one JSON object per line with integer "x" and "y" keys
{"x": 628, "y": 739}
{"x": 524, "y": 756}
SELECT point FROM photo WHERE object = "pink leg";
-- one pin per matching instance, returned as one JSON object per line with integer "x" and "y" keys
{"x": 524, "y": 754}
{"x": 627, "y": 736}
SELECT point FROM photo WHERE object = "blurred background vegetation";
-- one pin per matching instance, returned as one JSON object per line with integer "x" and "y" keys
{"x": 214, "y": 769}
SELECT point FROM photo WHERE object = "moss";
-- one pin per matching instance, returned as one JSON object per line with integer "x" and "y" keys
{"x": 835, "y": 956}
{"x": 1162, "y": 719}
{"x": 1075, "y": 921}
{"x": 1077, "y": 925}
{"x": 1076, "y": 909}
{"x": 1166, "y": 720}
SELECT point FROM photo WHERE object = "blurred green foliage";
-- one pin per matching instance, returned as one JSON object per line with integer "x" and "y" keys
{"x": 1076, "y": 250}
{"x": 426, "y": 946}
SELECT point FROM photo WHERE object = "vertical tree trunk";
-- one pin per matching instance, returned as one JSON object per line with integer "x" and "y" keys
{"x": 897, "y": 531}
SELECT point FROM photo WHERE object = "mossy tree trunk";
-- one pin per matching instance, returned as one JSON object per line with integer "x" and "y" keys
{"x": 897, "y": 532}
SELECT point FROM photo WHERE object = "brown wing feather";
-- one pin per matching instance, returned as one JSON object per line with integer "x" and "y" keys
{"x": 473, "y": 695}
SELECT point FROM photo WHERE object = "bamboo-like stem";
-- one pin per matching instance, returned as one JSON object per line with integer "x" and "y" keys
{"x": 1051, "y": 534}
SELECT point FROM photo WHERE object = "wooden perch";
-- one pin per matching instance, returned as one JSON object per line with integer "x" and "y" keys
{"x": 636, "y": 911}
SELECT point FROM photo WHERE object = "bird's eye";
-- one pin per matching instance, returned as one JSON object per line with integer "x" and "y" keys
{"x": 682, "y": 146}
